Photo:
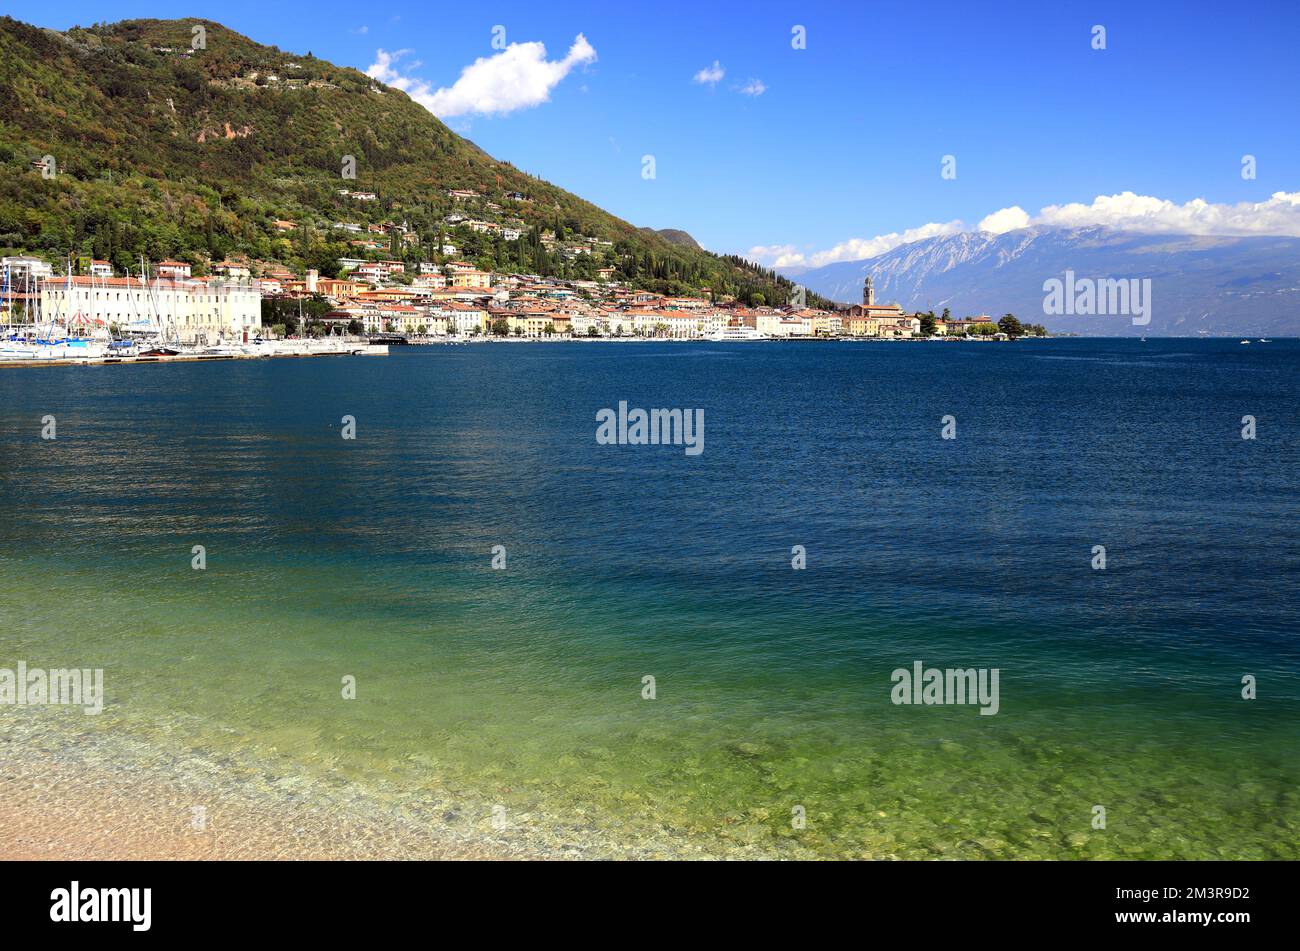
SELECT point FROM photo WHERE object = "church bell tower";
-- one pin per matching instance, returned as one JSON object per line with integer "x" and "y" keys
{"x": 868, "y": 292}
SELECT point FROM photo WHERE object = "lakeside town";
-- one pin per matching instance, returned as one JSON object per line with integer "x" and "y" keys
{"x": 237, "y": 303}
{"x": 361, "y": 283}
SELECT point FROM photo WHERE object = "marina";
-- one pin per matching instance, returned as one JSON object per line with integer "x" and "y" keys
{"x": 66, "y": 321}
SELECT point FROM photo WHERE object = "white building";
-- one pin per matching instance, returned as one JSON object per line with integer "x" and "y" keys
{"x": 462, "y": 319}
{"x": 229, "y": 269}
{"x": 173, "y": 270}
{"x": 582, "y": 325}
{"x": 22, "y": 269}
{"x": 713, "y": 321}
{"x": 618, "y": 323}
{"x": 196, "y": 310}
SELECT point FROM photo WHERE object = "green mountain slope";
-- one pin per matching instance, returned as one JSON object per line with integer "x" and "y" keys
{"x": 171, "y": 152}
{"x": 675, "y": 236}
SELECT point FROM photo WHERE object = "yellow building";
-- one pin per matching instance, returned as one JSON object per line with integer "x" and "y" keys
{"x": 471, "y": 279}
{"x": 536, "y": 324}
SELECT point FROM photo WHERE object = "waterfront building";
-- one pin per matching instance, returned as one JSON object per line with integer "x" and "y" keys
{"x": 713, "y": 321}
{"x": 900, "y": 327}
{"x": 194, "y": 311}
{"x": 463, "y": 318}
{"x": 581, "y": 325}
{"x": 870, "y": 319}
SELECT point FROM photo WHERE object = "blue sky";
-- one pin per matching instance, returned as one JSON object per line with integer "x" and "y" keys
{"x": 846, "y": 140}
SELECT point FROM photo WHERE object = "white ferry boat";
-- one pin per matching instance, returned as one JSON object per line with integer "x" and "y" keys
{"x": 737, "y": 333}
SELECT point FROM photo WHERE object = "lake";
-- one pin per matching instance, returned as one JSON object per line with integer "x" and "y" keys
{"x": 512, "y": 704}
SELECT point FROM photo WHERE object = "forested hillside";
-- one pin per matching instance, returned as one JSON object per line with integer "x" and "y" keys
{"x": 239, "y": 149}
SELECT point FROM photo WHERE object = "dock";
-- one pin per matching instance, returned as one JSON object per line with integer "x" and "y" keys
{"x": 271, "y": 353}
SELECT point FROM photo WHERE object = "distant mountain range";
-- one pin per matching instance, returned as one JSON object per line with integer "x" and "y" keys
{"x": 1212, "y": 285}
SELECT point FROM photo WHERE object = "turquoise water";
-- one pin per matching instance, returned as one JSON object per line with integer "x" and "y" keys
{"x": 523, "y": 688}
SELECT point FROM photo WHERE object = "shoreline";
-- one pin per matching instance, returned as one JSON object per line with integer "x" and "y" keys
{"x": 370, "y": 350}
{"x": 64, "y": 800}
{"x": 74, "y": 794}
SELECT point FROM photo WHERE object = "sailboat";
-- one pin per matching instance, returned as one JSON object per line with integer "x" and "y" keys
{"x": 160, "y": 345}
{"x": 86, "y": 329}
{"x": 59, "y": 342}
{"x": 13, "y": 346}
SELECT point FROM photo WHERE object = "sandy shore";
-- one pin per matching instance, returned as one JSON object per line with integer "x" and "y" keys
{"x": 59, "y": 801}
{"x": 48, "y": 811}
{"x": 102, "y": 817}
{"x": 76, "y": 791}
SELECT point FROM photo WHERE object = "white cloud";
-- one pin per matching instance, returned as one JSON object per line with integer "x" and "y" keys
{"x": 755, "y": 87}
{"x": 776, "y": 255}
{"x": 518, "y": 77}
{"x": 854, "y": 249}
{"x": 1008, "y": 219}
{"x": 1278, "y": 215}
{"x": 711, "y": 75}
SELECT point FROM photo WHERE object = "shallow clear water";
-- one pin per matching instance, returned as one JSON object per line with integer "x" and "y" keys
{"x": 372, "y": 558}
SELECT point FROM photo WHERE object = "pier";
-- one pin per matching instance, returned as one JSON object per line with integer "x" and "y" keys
{"x": 280, "y": 350}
